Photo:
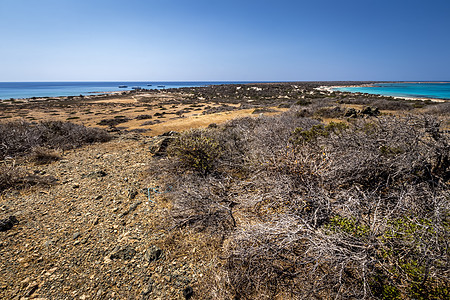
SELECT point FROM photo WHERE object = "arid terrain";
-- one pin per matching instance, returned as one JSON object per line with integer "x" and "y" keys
{"x": 123, "y": 219}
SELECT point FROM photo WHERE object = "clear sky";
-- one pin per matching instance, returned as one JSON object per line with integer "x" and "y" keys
{"x": 208, "y": 40}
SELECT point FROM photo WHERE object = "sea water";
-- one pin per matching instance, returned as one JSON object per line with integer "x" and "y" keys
{"x": 19, "y": 90}
{"x": 431, "y": 90}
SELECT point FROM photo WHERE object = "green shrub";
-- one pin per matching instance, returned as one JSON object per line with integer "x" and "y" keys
{"x": 348, "y": 226}
{"x": 197, "y": 149}
{"x": 303, "y": 102}
{"x": 299, "y": 135}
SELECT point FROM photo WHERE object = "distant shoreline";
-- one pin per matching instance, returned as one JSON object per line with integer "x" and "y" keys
{"x": 113, "y": 88}
{"x": 334, "y": 88}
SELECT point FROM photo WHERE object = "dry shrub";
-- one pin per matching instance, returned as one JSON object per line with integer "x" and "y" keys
{"x": 368, "y": 209}
{"x": 42, "y": 155}
{"x": 9, "y": 177}
{"x": 18, "y": 138}
{"x": 439, "y": 109}
{"x": 385, "y": 152}
{"x": 144, "y": 117}
{"x": 358, "y": 211}
{"x": 114, "y": 121}
{"x": 381, "y": 104}
{"x": 13, "y": 177}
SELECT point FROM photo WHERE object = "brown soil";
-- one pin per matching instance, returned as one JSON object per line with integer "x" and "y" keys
{"x": 90, "y": 235}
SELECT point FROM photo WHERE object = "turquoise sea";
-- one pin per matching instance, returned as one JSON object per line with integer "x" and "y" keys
{"x": 20, "y": 90}
{"x": 432, "y": 90}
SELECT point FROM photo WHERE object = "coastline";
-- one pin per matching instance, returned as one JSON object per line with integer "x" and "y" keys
{"x": 334, "y": 88}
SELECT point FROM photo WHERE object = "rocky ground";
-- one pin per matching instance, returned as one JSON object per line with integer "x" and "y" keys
{"x": 93, "y": 234}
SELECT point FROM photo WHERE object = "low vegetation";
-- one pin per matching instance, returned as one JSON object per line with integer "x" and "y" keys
{"x": 356, "y": 209}
{"x": 19, "y": 138}
{"x": 40, "y": 143}
{"x": 342, "y": 196}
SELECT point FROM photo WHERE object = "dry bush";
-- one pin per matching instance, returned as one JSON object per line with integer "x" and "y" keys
{"x": 144, "y": 117}
{"x": 386, "y": 152}
{"x": 42, "y": 155}
{"x": 197, "y": 150}
{"x": 439, "y": 109}
{"x": 330, "y": 112}
{"x": 381, "y": 104}
{"x": 9, "y": 177}
{"x": 13, "y": 177}
{"x": 369, "y": 213}
{"x": 114, "y": 121}
{"x": 18, "y": 138}
{"x": 308, "y": 211}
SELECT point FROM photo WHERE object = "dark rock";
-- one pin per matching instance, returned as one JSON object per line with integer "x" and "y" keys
{"x": 159, "y": 144}
{"x": 369, "y": 111}
{"x": 132, "y": 193}
{"x": 351, "y": 113}
{"x": 125, "y": 253}
{"x": 8, "y": 223}
{"x": 153, "y": 253}
{"x": 99, "y": 173}
{"x": 169, "y": 133}
{"x": 188, "y": 292}
{"x": 32, "y": 289}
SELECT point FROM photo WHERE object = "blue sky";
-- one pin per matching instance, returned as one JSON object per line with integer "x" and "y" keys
{"x": 84, "y": 40}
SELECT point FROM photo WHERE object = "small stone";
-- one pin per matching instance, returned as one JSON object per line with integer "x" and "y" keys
{"x": 76, "y": 235}
{"x": 98, "y": 197}
{"x": 125, "y": 253}
{"x": 153, "y": 253}
{"x": 8, "y": 223}
{"x": 132, "y": 193}
{"x": 188, "y": 292}
{"x": 33, "y": 287}
{"x": 75, "y": 186}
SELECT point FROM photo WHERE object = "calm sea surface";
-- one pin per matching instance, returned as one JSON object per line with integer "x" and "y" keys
{"x": 435, "y": 90}
{"x": 53, "y": 89}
